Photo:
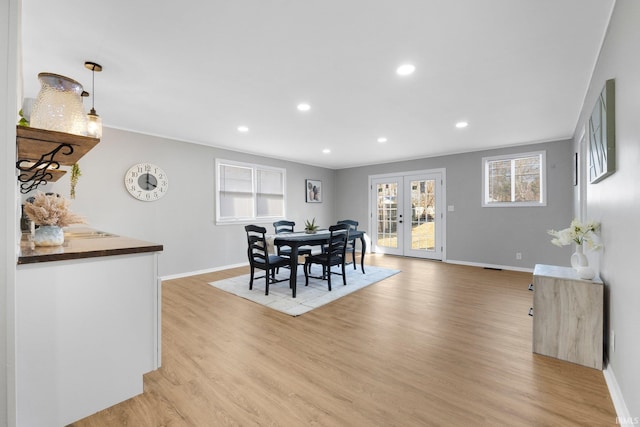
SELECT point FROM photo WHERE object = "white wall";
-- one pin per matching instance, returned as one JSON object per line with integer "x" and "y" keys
{"x": 9, "y": 72}
{"x": 615, "y": 202}
{"x": 183, "y": 220}
{"x": 485, "y": 236}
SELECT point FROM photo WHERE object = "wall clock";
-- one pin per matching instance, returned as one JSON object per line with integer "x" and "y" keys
{"x": 146, "y": 182}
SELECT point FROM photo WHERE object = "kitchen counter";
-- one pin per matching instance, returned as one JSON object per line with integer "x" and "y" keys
{"x": 83, "y": 243}
{"x": 87, "y": 325}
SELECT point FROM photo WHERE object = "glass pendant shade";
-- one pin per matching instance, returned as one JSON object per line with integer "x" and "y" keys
{"x": 94, "y": 124}
{"x": 58, "y": 105}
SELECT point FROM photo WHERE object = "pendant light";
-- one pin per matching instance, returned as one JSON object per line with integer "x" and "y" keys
{"x": 94, "y": 122}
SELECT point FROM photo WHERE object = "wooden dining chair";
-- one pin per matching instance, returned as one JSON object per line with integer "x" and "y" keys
{"x": 260, "y": 258}
{"x": 351, "y": 244}
{"x": 334, "y": 254}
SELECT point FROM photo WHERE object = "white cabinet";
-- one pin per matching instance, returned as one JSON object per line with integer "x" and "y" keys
{"x": 86, "y": 332}
{"x": 567, "y": 316}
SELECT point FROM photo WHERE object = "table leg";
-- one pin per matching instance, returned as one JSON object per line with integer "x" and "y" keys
{"x": 294, "y": 269}
{"x": 364, "y": 249}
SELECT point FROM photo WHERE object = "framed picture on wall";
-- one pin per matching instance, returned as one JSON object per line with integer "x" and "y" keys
{"x": 313, "y": 191}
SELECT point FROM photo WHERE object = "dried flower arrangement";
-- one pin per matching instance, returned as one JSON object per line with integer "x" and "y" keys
{"x": 51, "y": 209}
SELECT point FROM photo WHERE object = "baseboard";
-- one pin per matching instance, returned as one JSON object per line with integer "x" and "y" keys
{"x": 624, "y": 417}
{"x": 492, "y": 266}
{"x": 209, "y": 270}
{"x": 226, "y": 267}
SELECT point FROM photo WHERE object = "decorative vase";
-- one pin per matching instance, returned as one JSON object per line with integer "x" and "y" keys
{"x": 59, "y": 105}
{"x": 48, "y": 235}
{"x": 578, "y": 258}
{"x": 310, "y": 231}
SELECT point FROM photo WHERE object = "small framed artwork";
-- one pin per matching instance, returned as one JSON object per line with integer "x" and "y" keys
{"x": 313, "y": 191}
{"x": 602, "y": 135}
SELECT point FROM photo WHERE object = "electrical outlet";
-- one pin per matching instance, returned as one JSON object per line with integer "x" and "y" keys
{"x": 518, "y": 255}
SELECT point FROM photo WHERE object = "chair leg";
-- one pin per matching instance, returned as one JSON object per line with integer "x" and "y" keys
{"x": 329, "y": 277}
{"x": 251, "y": 279}
{"x": 344, "y": 275}
{"x": 266, "y": 288}
{"x": 306, "y": 268}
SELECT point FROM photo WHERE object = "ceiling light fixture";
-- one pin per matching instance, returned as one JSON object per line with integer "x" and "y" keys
{"x": 243, "y": 129}
{"x": 304, "y": 107}
{"x": 382, "y": 140}
{"x": 461, "y": 125}
{"x": 94, "y": 124}
{"x": 405, "y": 69}
{"x": 326, "y": 151}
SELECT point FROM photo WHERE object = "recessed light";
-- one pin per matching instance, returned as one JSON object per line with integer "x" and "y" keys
{"x": 382, "y": 140}
{"x": 243, "y": 129}
{"x": 326, "y": 151}
{"x": 405, "y": 69}
{"x": 461, "y": 125}
{"x": 304, "y": 107}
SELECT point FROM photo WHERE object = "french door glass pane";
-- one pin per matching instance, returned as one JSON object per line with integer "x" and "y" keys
{"x": 387, "y": 212}
{"x": 423, "y": 199}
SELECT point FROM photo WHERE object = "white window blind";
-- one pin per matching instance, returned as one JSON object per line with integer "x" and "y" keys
{"x": 247, "y": 192}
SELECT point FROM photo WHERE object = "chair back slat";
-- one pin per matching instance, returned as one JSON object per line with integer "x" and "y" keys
{"x": 284, "y": 226}
{"x": 353, "y": 224}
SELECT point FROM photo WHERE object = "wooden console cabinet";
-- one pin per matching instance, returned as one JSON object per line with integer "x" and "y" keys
{"x": 567, "y": 316}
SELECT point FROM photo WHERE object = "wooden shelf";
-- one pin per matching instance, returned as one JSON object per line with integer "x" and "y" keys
{"x": 41, "y": 152}
{"x": 33, "y": 143}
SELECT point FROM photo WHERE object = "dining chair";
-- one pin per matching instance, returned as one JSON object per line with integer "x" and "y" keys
{"x": 285, "y": 226}
{"x": 334, "y": 254}
{"x": 260, "y": 258}
{"x": 351, "y": 244}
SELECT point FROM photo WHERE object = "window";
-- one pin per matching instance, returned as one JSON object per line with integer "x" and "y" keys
{"x": 514, "y": 180}
{"x": 247, "y": 192}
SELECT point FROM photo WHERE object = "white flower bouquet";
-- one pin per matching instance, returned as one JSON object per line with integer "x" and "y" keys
{"x": 578, "y": 233}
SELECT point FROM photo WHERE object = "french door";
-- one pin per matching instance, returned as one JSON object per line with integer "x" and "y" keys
{"x": 407, "y": 215}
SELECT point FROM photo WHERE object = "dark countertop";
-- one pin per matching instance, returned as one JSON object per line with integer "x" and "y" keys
{"x": 83, "y": 243}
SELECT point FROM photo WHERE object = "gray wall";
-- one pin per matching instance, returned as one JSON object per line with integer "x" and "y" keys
{"x": 183, "y": 220}
{"x": 477, "y": 235}
{"x": 615, "y": 202}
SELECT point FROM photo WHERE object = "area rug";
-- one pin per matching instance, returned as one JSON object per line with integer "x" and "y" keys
{"x": 307, "y": 297}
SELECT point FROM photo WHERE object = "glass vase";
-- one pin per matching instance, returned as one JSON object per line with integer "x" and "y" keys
{"x": 59, "y": 106}
{"x": 578, "y": 258}
{"x": 48, "y": 235}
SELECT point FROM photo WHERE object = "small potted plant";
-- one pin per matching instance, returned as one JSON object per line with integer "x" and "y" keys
{"x": 50, "y": 212}
{"x": 310, "y": 227}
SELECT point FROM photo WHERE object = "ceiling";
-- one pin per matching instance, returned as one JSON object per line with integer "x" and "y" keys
{"x": 516, "y": 70}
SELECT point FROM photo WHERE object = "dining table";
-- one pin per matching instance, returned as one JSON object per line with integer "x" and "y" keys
{"x": 301, "y": 238}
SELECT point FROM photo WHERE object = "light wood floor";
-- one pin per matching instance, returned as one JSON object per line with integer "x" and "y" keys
{"x": 437, "y": 344}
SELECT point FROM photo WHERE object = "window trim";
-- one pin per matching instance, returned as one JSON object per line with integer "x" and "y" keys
{"x": 254, "y": 191}
{"x": 543, "y": 180}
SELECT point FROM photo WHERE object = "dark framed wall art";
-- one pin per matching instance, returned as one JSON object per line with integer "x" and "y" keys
{"x": 313, "y": 191}
{"x": 602, "y": 135}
